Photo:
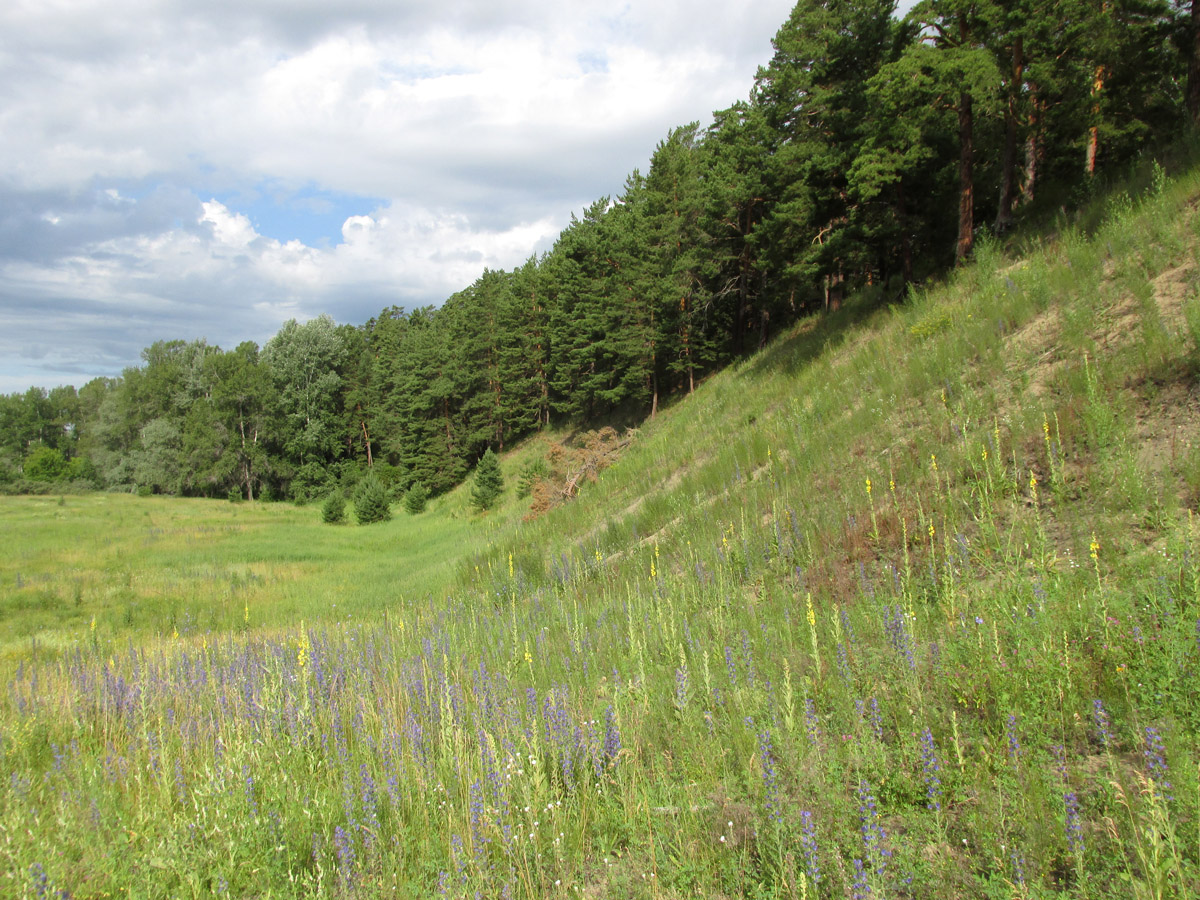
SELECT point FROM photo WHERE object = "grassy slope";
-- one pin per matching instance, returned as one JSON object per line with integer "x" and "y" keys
{"x": 840, "y": 620}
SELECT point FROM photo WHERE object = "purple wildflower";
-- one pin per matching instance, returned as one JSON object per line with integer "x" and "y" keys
{"x": 682, "y": 688}
{"x": 873, "y": 835}
{"x": 1018, "y": 869}
{"x": 41, "y": 884}
{"x": 874, "y": 717}
{"x": 1014, "y": 740}
{"x": 343, "y": 845}
{"x": 1156, "y": 762}
{"x": 843, "y": 663}
{"x": 1073, "y": 826}
{"x": 861, "y": 887}
{"x": 931, "y": 767}
{"x": 808, "y": 842}
{"x": 612, "y": 737}
{"x": 770, "y": 777}
{"x": 811, "y": 722}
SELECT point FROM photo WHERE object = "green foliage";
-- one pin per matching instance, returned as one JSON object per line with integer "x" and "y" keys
{"x": 45, "y": 464}
{"x": 488, "y": 483}
{"x": 531, "y": 473}
{"x": 371, "y": 502}
{"x": 415, "y": 499}
{"x": 333, "y": 510}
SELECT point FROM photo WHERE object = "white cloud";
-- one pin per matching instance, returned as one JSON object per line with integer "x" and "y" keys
{"x": 481, "y": 126}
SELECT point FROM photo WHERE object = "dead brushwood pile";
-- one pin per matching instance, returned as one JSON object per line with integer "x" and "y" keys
{"x": 570, "y": 463}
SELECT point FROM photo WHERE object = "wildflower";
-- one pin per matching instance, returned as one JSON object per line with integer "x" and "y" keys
{"x": 770, "y": 777}
{"x": 931, "y": 766}
{"x": 808, "y": 843}
{"x": 1018, "y": 867}
{"x": 1073, "y": 826}
{"x": 1156, "y": 763}
{"x": 873, "y": 835}
{"x": 1014, "y": 742}
{"x": 862, "y": 889}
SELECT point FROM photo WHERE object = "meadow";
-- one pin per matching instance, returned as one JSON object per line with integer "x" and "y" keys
{"x": 907, "y": 605}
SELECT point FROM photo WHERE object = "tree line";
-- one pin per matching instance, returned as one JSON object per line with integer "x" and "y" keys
{"x": 871, "y": 153}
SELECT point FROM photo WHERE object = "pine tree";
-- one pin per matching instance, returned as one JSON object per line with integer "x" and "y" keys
{"x": 488, "y": 482}
{"x": 416, "y": 498}
{"x": 333, "y": 511}
{"x": 371, "y": 502}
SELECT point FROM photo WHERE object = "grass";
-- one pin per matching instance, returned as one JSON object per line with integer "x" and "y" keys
{"x": 906, "y": 605}
{"x": 143, "y": 567}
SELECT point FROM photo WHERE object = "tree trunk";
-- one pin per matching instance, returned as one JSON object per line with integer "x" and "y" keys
{"x": 966, "y": 179}
{"x": 367, "y": 443}
{"x": 1008, "y": 162}
{"x": 1033, "y": 147}
{"x": 906, "y": 255}
{"x": 1093, "y": 140}
{"x": 1193, "y": 70}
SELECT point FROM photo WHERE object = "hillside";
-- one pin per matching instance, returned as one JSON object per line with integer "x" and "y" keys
{"x": 906, "y": 605}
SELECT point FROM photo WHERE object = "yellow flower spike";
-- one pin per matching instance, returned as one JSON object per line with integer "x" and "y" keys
{"x": 93, "y": 624}
{"x": 931, "y": 531}
{"x": 868, "y": 487}
{"x": 933, "y": 461}
{"x": 246, "y": 613}
{"x": 1094, "y": 549}
{"x": 1033, "y": 483}
{"x": 510, "y": 565}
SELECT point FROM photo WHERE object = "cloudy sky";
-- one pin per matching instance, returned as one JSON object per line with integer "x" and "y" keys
{"x": 211, "y": 168}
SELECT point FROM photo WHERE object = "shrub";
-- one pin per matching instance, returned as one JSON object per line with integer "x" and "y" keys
{"x": 416, "y": 498}
{"x": 45, "y": 464}
{"x": 333, "y": 511}
{"x": 371, "y": 502}
{"x": 488, "y": 482}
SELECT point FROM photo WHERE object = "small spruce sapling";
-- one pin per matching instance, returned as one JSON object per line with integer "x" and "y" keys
{"x": 416, "y": 498}
{"x": 371, "y": 502}
{"x": 333, "y": 511}
{"x": 488, "y": 482}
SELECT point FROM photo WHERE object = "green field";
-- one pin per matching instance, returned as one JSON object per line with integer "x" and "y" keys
{"x": 907, "y": 605}
{"x": 151, "y": 566}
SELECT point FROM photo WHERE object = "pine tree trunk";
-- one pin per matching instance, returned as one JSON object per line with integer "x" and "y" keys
{"x": 1008, "y": 162}
{"x": 1033, "y": 147}
{"x": 1093, "y": 141}
{"x": 966, "y": 179}
{"x": 1193, "y": 70}
{"x": 906, "y": 255}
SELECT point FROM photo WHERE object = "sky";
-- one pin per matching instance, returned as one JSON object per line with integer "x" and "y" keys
{"x": 174, "y": 169}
